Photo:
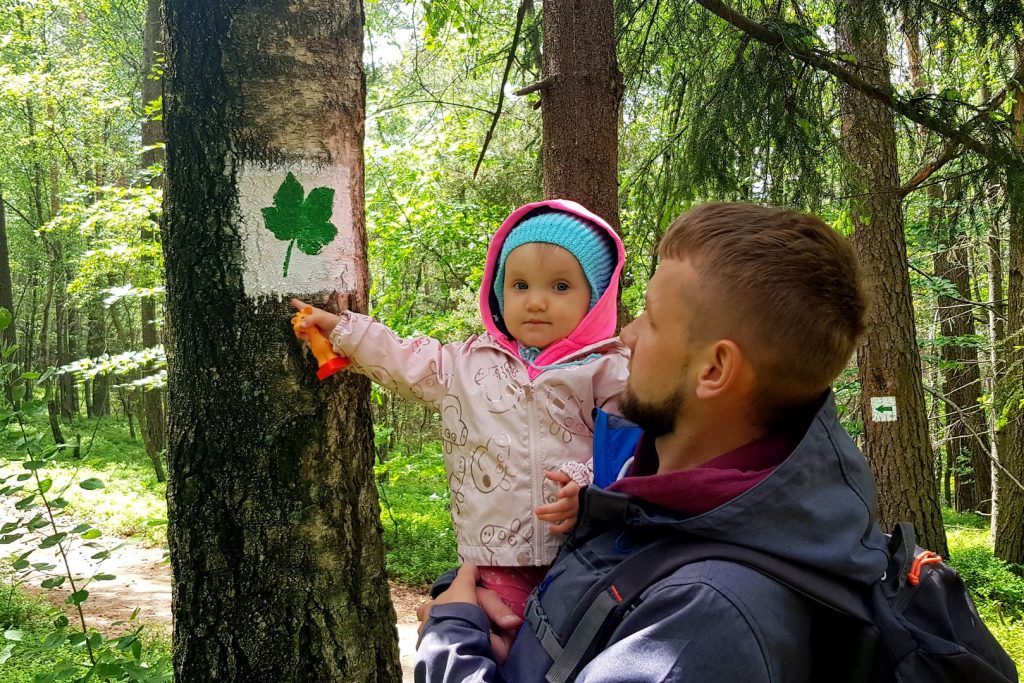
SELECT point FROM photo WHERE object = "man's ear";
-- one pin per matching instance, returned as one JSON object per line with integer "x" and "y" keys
{"x": 725, "y": 369}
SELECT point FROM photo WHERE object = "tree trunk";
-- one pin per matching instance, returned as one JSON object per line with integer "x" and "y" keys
{"x": 43, "y": 348}
{"x": 6, "y": 285}
{"x": 98, "y": 390}
{"x": 274, "y": 531}
{"x": 996, "y": 334}
{"x": 1009, "y": 527}
{"x": 966, "y": 435}
{"x": 888, "y": 361}
{"x": 581, "y": 105}
{"x": 153, "y": 421}
{"x": 68, "y": 395}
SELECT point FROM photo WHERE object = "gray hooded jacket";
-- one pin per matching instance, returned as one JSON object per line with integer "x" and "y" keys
{"x": 711, "y": 620}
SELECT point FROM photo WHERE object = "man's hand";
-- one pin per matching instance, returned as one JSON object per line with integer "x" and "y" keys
{"x": 504, "y": 622}
{"x": 324, "y": 321}
{"x": 564, "y": 511}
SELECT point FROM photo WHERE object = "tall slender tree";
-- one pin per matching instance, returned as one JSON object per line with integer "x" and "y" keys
{"x": 581, "y": 96}
{"x": 274, "y": 535}
{"x": 154, "y": 423}
{"x": 888, "y": 361}
{"x": 1009, "y": 530}
{"x": 6, "y": 284}
{"x": 965, "y": 434}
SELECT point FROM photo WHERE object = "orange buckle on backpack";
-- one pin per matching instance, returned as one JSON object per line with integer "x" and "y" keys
{"x": 923, "y": 558}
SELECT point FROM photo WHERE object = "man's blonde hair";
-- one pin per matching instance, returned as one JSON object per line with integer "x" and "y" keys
{"x": 781, "y": 284}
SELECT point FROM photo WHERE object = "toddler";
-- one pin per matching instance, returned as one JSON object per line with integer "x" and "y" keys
{"x": 516, "y": 402}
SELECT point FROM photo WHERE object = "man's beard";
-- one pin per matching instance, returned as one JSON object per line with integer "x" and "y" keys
{"x": 656, "y": 419}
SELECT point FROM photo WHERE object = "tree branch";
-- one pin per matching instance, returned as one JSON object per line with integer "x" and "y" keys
{"x": 520, "y": 15}
{"x": 949, "y": 152}
{"x": 539, "y": 85}
{"x": 774, "y": 38}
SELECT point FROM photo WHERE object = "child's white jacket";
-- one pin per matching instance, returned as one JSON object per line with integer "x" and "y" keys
{"x": 504, "y": 423}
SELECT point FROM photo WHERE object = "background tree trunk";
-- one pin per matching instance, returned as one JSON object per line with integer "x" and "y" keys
{"x": 97, "y": 390}
{"x": 888, "y": 361}
{"x": 1009, "y": 527}
{"x": 278, "y": 567}
{"x": 580, "y": 146}
{"x": 6, "y": 285}
{"x": 966, "y": 435}
{"x": 153, "y": 421}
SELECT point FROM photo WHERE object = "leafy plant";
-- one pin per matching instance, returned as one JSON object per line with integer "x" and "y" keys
{"x": 42, "y": 523}
{"x": 300, "y": 219}
{"x": 415, "y": 514}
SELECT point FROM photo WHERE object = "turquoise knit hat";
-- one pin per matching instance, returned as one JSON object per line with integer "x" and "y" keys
{"x": 594, "y": 251}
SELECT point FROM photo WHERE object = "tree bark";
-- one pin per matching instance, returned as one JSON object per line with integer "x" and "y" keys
{"x": 68, "y": 398}
{"x": 888, "y": 361}
{"x": 274, "y": 535}
{"x": 1009, "y": 527}
{"x": 10, "y": 335}
{"x": 153, "y": 421}
{"x": 98, "y": 390}
{"x": 966, "y": 436}
{"x": 580, "y": 145}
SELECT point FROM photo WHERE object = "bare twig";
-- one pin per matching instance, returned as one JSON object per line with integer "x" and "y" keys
{"x": 520, "y": 15}
{"x": 981, "y": 443}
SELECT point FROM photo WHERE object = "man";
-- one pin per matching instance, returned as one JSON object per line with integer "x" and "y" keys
{"x": 751, "y": 315}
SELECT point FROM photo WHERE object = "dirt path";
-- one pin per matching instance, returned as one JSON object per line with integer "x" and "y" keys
{"x": 143, "y": 582}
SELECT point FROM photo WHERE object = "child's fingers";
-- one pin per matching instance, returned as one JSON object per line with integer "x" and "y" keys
{"x": 558, "y": 477}
{"x": 570, "y": 490}
{"x": 565, "y": 526}
{"x": 554, "y": 512}
{"x": 299, "y": 305}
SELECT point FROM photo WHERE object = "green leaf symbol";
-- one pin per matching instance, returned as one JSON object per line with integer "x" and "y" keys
{"x": 299, "y": 219}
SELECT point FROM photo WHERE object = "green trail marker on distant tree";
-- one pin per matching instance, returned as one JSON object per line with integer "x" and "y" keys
{"x": 297, "y": 218}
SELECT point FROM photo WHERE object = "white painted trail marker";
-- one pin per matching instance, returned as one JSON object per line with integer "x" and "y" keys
{"x": 297, "y": 230}
{"x": 883, "y": 408}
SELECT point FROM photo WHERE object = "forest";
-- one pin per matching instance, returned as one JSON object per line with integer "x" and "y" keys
{"x": 154, "y": 396}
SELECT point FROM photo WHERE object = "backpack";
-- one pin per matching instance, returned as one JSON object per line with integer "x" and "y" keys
{"x": 916, "y": 623}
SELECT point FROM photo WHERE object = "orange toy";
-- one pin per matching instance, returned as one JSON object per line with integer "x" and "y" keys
{"x": 329, "y": 361}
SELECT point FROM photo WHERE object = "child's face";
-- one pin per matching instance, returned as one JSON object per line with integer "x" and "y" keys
{"x": 546, "y": 294}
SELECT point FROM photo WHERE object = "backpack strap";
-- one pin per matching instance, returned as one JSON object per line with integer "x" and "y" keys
{"x": 603, "y": 606}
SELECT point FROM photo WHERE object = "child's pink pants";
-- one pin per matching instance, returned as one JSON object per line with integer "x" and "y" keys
{"x": 512, "y": 584}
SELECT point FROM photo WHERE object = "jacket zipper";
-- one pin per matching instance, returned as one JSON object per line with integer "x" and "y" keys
{"x": 536, "y": 475}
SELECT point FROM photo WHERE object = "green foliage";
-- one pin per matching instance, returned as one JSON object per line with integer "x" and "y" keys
{"x": 151, "y": 363}
{"x": 42, "y": 522}
{"x": 415, "y": 514}
{"x": 299, "y": 219}
{"x": 36, "y": 645}
{"x": 996, "y": 588}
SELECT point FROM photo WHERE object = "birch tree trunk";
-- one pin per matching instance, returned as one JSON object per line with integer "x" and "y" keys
{"x": 278, "y": 565}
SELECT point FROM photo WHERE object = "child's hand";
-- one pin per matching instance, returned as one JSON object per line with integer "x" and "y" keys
{"x": 324, "y": 321}
{"x": 563, "y": 512}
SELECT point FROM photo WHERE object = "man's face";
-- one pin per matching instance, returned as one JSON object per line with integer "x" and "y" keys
{"x": 661, "y": 361}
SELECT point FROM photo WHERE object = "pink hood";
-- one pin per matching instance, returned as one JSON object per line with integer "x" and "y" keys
{"x": 599, "y": 323}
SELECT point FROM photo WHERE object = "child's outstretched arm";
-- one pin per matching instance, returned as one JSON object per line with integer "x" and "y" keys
{"x": 414, "y": 368}
{"x": 563, "y": 512}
